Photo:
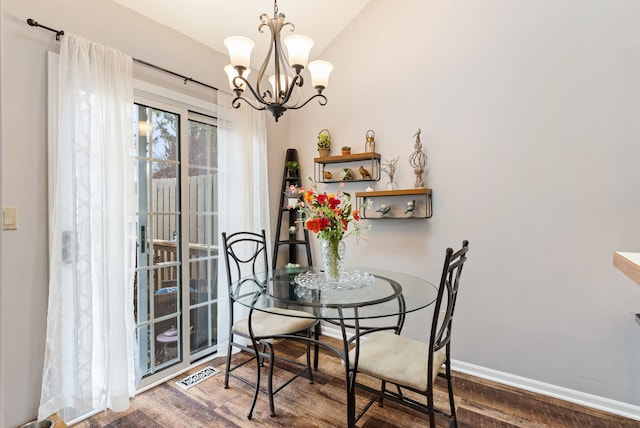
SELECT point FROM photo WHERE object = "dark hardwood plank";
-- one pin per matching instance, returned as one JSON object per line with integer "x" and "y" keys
{"x": 479, "y": 403}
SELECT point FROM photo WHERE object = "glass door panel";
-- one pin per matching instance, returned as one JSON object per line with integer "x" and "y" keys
{"x": 158, "y": 285}
{"x": 202, "y": 234}
{"x": 175, "y": 303}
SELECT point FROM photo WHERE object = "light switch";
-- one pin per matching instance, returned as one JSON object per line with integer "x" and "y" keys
{"x": 9, "y": 218}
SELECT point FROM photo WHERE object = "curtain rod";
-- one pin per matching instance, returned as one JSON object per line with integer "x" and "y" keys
{"x": 34, "y": 23}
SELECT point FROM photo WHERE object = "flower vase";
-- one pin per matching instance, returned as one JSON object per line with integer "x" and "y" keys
{"x": 333, "y": 254}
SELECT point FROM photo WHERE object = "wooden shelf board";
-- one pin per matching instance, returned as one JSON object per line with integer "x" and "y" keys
{"x": 401, "y": 192}
{"x": 629, "y": 264}
{"x": 347, "y": 158}
{"x": 344, "y": 181}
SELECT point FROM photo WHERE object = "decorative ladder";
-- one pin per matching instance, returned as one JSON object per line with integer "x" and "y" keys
{"x": 290, "y": 178}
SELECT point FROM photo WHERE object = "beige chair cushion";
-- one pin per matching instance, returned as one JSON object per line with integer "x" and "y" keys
{"x": 397, "y": 359}
{"x": 266, "y": 324}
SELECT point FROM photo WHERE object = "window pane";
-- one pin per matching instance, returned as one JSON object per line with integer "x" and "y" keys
{"x": 165, "y": 135}
{"x": 203, "y": 144}
{"x": 156, "y": 133}
{"x": 202, "y": 194}
{"x": 142, "y": 130}
{"x": 201, "y": 236}
{"x": 204, "y": 279}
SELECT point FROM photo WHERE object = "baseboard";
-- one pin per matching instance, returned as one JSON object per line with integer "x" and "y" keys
{"x": 588, "y": 400}
{"x": 573, "y": 396}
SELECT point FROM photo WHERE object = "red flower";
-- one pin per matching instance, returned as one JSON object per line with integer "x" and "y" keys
{"x": 333, "y": 202}
{"x": 329, "y": 214}
{"x": 313, "y": 225}
{"x": 323, "y": 223}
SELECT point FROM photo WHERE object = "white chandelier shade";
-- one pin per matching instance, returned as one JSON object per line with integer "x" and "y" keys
{"x": 320, "y": 71}
{"x": 298, "y": 47}
{"x": 239, "y": 50}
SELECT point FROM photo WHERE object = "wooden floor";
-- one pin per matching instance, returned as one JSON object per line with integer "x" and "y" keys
{"x": 479, "y": 403}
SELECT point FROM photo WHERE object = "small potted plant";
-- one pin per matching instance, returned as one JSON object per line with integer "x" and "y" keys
{"x": 346, "y": 150}
{"x": 292, "y": 168}
{"x": 324, "y": 143}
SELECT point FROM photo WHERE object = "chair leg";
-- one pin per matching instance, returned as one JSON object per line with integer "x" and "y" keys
{"x": 261, "y": 354}
{"x": 316, "y": 347}
{"x": 454, "y": 422}
{"x": 432, "y": 416}
{"x": 264, "y": 351}
{"x": 228, "y": 368}
{"x": 309, "y": 369}
{"x": 272, "y": 407}
{"x": 383, "y": 387}
{"x": 257, "y": 390}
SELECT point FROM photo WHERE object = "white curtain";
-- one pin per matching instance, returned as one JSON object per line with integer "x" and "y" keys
{"x": 243, "y": 186}
{"x": 90, "y": 346}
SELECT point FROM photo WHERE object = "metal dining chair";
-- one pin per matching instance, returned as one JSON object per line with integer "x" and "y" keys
{"x": 413, "y": 365}
{"x": 246, "y": 254}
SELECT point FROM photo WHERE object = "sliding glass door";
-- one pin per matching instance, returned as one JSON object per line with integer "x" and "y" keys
{"x": 175, "y": 288}
{"x": 202, "y": 234}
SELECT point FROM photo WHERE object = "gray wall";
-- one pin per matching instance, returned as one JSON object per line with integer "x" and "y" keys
{"x": 529, "y": 116}
{"x": 528, "y": 112}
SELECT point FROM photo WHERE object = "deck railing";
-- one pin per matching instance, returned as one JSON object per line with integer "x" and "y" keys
{"x": 165, "y": 254}
{"x": 202, "y": 201}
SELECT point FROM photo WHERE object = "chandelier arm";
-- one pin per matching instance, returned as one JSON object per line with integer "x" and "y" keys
{"x": 248, "y": 85}
{"x": 236, "y": 103}
{"x": 322, "y": 101}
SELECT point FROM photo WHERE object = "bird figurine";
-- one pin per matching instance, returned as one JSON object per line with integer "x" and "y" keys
{"x": 411, "y": 208}
{"x": 327, "y": 175}
{"x": 383, "y": 210}
{"x": 364, "y": 173}
{"x": 346, "y": 174}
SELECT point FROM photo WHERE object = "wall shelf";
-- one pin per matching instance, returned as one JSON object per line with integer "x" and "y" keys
{"x": 370, "y": 161}
{"x": 370, "y": 202}
{"x": 629, "y": 264}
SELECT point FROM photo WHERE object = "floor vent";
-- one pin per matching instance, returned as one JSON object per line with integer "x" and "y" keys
{"x": 196, "y": 378}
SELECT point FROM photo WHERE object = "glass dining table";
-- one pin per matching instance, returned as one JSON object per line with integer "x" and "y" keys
{"x": 365, "y": 300}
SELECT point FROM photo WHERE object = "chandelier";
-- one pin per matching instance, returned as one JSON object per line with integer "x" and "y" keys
{"x": 275, "y": 96}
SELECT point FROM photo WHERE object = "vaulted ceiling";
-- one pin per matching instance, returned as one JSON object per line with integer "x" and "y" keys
{"x": 210, "y": 21}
